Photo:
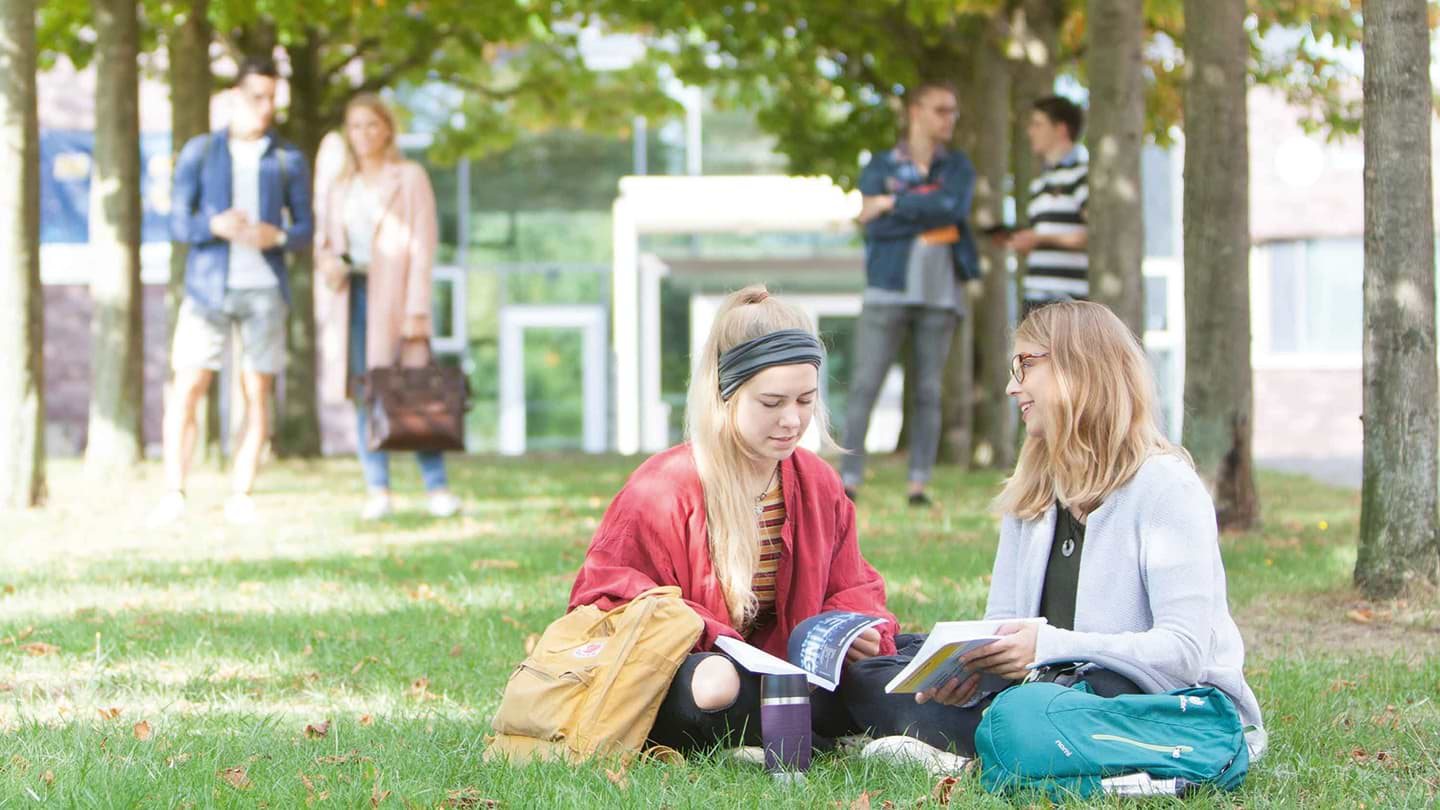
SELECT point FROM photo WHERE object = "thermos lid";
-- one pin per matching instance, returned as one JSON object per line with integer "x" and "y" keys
{"x": 784, "y": 686}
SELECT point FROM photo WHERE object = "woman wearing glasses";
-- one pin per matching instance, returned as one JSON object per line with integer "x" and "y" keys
{"x": 1107, "y": 532}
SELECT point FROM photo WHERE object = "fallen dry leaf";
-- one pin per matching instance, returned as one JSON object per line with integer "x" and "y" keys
{"x": 142, "y": 731}
{"x": 861, "y": 802}
{"x": 513, "y": 622}
{"x": 1361, "y": 615}
{"x": 9, "y": 589}
{"x": 39, "y": 648}
{"x": 317, "y": 730}
{"x": 109, "y": 714}
{"x": 341, "y": 759}
{"x": 235, "y": 777}
{"x": 178, "y": 759}
{"x": 359, "y": 665}
{"x": 48, "y": 777}
{"x": 476, "y": 565}
{"x": 618, "y": 777}
{"x": 24, "y": 634}
{"x": 367, "y": 720}
{"x": 307, "y": 650}
{"x": 942, "y": 790}
{"x": 377, "y": 796}
{"x": 456, "y": 651}
{"x": 467, "y": 798}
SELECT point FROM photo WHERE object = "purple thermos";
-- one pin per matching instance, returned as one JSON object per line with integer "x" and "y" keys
{"x": 785, "y": 722}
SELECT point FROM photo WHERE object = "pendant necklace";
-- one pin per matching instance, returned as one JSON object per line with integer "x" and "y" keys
{"x": 1068, "y": 547}
{"x": 760, "y": 499}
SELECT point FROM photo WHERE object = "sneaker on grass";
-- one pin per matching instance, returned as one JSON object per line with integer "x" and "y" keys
{"x": 444, "y": 505}
{"x": 376, "y": 507}
{"x": 240, "y": 510}
{"x": 170, "y": 509}
{"x": 900, "y": 749}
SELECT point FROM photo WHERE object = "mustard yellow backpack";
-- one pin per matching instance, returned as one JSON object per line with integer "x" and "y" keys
{"x": 594, "y": 683}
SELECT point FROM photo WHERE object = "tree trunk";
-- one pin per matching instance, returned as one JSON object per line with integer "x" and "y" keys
{"x": 22, "y": 328}
{"x": 1117, "y": 125}
{"x": 1035, "y": 27}
{"x": 1398, "y": 511}
{"x": 190, "y": 86}
{"x": 994, "y": 420}
{"x": 298, "y": 431}
{"x": 117, "y": 382}
{"x": 1219, "y": 403}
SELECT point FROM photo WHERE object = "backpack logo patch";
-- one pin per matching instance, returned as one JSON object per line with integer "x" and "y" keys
{"x": 589, "y": 650}
{"x": 1063, "y": 749}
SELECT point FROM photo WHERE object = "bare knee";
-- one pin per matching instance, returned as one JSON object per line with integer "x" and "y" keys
{"x": 715, "y": 684}
{"x": 190, "y": 387}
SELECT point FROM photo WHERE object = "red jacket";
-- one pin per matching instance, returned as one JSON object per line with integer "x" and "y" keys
{"x": 654, "y": 534}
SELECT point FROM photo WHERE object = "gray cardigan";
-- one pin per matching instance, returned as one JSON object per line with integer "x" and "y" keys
{"x": 1151, "y": 589}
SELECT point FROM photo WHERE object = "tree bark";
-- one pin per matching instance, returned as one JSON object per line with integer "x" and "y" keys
{"x": 1398, "y": 513}
{"x": 994, "y": 423}
{"x": 190, "y": 87}
{"x": 22, "y": 329}
{"x": 298, "y": 431}
{"x": 1117, "y": 125}
{"x": 1219, "y": 402}
{"x": 117, "y": 383}
{"x": 1035, "y": 28}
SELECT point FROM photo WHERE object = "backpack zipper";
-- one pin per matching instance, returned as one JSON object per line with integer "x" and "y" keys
{"x": 1173, "y": 750}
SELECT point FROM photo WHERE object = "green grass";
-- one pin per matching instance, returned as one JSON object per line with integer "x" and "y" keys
{"x": 227, "y": 643}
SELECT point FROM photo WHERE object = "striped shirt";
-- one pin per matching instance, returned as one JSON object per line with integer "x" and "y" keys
{"x": 1057, "y": 207}
{"x": 772, "y": 520}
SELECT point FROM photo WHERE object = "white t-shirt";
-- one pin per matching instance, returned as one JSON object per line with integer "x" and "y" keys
{"x": 362, "y": 215}
{"x": 248, "y": 270}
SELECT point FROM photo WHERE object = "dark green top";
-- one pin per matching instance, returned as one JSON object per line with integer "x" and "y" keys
{"x": 1062, "y": 573}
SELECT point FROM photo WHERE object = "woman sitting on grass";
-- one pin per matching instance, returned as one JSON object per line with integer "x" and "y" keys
{"x": 1107, "y": 532}
{"x": 756, "y": 532}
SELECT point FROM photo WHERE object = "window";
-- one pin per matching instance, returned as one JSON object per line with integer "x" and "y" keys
{"x": 1316, "y": 296}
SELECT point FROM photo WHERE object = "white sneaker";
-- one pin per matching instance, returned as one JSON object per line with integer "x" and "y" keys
{"x": 901, "y": 750}
{"x": 240, "y": 510}
{"x": 444, "y": 505}
{"x": 170, "y": 509}
{"x": 376, "y": 507}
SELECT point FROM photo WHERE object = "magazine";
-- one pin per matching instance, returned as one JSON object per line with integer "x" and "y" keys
{"x": 816, "y": 650}
{"x": 938, "y": 660}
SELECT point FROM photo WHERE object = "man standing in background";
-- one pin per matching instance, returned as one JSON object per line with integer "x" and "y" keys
{"x": 918, "y": 255}
{"x": 1056, "y": 241}
{"x": 234, "y": 191}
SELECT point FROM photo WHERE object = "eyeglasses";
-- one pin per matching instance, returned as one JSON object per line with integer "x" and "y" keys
{"x": 1017, "y": 364}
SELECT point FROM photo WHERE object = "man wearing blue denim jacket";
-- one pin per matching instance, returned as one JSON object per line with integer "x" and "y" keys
{"x": 918, "y": 255}
{"x": 235, "y": 190}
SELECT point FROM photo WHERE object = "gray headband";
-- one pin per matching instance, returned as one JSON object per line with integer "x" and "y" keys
{"x": 783, "y": 348}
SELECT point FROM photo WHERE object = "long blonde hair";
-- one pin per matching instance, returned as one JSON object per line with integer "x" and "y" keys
{"x": 721, "y": 455}
{"x": 1103, "y": 422}
{"x": 377, "y": 105}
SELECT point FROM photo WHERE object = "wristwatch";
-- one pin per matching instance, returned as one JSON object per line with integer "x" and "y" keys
{"x": 282, "y": 239}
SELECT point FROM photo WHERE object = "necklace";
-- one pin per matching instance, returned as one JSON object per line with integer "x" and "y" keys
{"x": 1068, "y": 547}
{"x": 760, "y": 499}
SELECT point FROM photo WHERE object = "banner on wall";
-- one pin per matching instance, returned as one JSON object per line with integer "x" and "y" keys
{"x": 66, "y": 159}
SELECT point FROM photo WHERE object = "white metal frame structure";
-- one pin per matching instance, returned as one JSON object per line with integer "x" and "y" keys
{"x": 514, "y": 320}
{"x": 691, "y": 205}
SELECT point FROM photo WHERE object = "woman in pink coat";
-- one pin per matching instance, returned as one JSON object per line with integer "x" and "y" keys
{"x": 374, "y": 255}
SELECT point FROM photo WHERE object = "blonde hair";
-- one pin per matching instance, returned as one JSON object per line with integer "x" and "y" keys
{"x": 1103, "y": 422}
{"x": 377, "y": 105}
{"x": 721, "y": 455}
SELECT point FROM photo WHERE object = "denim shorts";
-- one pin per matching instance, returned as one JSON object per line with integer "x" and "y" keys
{"x": 259, "y": 316}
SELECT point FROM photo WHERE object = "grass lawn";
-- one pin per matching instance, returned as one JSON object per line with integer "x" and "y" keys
{"x": 315, "y": 660}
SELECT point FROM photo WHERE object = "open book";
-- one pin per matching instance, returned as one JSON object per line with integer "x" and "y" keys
{"x": 816, "y": 649}
{"x": 939, "y": 658}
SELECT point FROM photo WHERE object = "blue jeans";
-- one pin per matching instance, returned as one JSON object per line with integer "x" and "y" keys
{"x": 377, "y": 463}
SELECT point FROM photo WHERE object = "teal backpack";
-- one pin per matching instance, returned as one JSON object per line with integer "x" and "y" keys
{"x": 1070, "y": 742}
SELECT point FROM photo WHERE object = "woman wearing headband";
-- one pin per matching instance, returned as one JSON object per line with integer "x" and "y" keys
{"x": 756, "y": 532}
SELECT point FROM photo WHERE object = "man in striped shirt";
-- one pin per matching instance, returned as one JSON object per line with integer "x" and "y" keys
{"x": 1056, "y": 241}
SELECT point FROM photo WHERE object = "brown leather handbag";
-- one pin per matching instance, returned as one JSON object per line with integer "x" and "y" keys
{"x": 420, "y": 408}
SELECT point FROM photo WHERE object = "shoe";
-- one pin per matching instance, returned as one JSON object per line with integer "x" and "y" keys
{"x": 444, "y": 505}
{"x": 901, "y": 750}
{"x": 240, "y": 510}
{"x": 170, "y": 509}
{"x": 749, "y": 754}
{"x": 920, "y": 499}
{"x": 376, "y": 507}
